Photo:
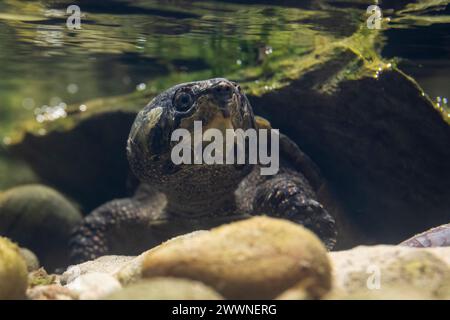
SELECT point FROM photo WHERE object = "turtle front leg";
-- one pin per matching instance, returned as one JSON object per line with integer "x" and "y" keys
{"x": 114, "y": 228}
{"x": 124, "y": 226}
{"x": 133, "y": 225}
{"x": 290, "y": 197}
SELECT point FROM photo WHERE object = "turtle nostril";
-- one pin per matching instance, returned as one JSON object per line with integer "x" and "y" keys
{"x": 224, "y": 89}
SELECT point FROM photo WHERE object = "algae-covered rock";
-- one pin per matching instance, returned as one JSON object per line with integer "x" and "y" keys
{"x": 30, "y": 258}
{"x": 256, "y": 258}
{"x": 40, "y": 277}
{"x": 41, "y": 219}
{"x": 166, "y": 289}
{"x": 13, "y": 271}
{"x": 392, "y": 270}
{"x": 377, "y": 138}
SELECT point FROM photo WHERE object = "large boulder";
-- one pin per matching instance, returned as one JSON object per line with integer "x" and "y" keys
{"x": 40, "y": 219}
{"x": 256, "y": 258}
{"x": 377, "y": 138}
{"x": 131, "y": 271}
{"x": 13, "y": 271}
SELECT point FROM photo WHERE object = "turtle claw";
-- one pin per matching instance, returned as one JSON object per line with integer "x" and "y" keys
{"x": 314, "y": 216}
{"x": 286, "y": 199}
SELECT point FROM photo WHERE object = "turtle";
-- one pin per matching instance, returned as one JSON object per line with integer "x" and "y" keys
{"x": 174, "y": 199}
{"x": 434, "y": 237}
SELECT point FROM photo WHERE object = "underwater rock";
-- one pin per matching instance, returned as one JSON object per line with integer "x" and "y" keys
{"x": 41, "y": 219}
{"x": 370, "y": 271}
{"x": 94, "y": 285}
{"x": 132, "y": 271}
{"x": 304, "y": 290}
{"x": 14, "y": 171}
{"x": 40, "y": 277}
{"x": 106, "y": 264}
{"x": 13, "y": 271}
{"x": 376, "y": 137}
{"x": 166, "y": 289}
{"x": 51, "y": 292}
{"x": 87, "y": 162}
{"x": 387, "y": 293}
{"x": 30, "y": 258}
{"x": 295, "y": 293}
{"x": 256, "y": 258}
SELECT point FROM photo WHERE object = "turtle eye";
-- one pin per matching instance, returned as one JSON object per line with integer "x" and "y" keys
{"x": 183, "y": 100}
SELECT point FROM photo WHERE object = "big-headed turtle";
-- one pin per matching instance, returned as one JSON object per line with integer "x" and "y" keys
{"x": 175, "y": 199}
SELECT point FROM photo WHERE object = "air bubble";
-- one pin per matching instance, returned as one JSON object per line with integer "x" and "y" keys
{"x": 28, "y": 103}
{"x": 40, "y": 118}
{"x": 141, "y": 86}
{"x": 72, "y": 88}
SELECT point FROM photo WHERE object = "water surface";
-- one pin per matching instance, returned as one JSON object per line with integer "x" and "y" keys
{"x": 124, "y": 46}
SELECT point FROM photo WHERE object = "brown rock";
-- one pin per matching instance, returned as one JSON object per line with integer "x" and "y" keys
{"x": 132, "y": 271}
{"x": 13, "y": 271}
{"x": 258, "y": 258}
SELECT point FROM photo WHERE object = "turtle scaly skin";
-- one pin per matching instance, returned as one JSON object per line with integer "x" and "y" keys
{"x": 176, "y": 199}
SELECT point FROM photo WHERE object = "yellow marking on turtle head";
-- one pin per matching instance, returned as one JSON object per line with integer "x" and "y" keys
{"x": 262, "y": 123}
{"x": 153, "y": 117}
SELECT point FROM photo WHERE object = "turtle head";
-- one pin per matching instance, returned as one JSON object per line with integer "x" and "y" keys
{"x": 217, "y": 103}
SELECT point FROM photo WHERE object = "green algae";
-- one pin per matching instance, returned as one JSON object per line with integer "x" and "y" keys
{"x": 272, "y": 74}
{"x": 13, "y": 271}
{"x": 41, "y": 278}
